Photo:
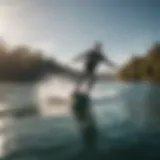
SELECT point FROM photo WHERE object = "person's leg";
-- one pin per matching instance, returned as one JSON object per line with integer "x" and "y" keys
{"x": 91, "y": 81}
{"x": 80, "y": 80}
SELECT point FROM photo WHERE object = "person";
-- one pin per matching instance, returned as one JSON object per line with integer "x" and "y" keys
{"x": 93, "y": 57}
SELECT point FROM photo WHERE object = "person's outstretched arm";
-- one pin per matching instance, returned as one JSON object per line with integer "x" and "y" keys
{"x": 109, "y": 63}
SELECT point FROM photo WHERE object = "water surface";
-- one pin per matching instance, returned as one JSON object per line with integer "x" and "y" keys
{"x": 127, "y": 118}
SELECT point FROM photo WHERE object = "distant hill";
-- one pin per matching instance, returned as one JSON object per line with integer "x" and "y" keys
{"x": 144, "y": 68}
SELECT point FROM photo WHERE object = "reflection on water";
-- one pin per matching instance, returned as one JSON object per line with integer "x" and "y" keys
{"x": 127, "y": 118}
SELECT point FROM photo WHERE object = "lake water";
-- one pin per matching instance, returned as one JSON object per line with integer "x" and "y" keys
{"x": 37, "y": 122}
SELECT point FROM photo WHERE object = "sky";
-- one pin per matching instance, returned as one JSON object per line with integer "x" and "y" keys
{"x": 65, "y": 28}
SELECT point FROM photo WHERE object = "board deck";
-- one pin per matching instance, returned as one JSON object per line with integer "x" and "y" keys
{"x": 81, "y": 108}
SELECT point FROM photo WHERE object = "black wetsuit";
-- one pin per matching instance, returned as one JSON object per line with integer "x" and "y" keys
{"x": 92, "y": 60}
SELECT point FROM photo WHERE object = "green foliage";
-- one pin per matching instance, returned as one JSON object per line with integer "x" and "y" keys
{"x": 146, "y": 68}
{"x": 20, "y": 63}
{"x": 25, "y": 64}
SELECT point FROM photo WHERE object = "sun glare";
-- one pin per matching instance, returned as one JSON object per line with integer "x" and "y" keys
{"x": 2, "y": 19}
{"x": 0, "y": 29}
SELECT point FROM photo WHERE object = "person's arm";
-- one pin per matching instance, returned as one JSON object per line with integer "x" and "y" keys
{"x": 108, "y": 62}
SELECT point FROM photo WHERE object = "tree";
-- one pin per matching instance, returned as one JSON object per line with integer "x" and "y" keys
{"x": 143, "y": 68}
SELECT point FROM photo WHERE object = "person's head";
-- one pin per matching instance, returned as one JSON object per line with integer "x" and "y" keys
{"x": 97, "y": 46}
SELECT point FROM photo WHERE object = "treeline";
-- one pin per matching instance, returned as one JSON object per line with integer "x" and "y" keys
{"x": 24, "y": 64}
{"x": 144, "y": 68}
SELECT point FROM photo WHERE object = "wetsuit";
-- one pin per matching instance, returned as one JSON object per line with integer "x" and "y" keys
{"x": 92, "y": 60}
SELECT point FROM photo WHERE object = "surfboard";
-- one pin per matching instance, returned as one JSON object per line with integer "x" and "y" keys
{"x": 81, "y": 108}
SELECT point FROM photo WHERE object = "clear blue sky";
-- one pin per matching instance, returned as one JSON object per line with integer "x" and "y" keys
{"x": 66, "y": 27}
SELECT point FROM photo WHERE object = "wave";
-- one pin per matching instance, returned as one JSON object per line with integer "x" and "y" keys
{"x": 95, "y": 97}
{"x": 101, "y": 95}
